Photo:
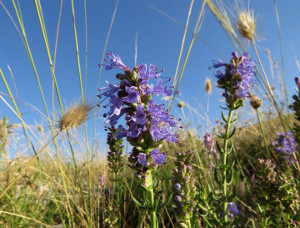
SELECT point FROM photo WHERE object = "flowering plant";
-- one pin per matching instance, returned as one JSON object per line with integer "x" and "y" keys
{"x": 236, "y": 80}
{"x": 148, "y": 124}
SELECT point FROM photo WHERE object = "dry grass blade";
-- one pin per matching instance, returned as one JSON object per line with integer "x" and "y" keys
{"x": 25, "y": 217}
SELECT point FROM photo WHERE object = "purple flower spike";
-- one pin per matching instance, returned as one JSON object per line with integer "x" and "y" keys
{"x": 209, "y": 143}
{"x": 142, "y": 159}
{"x": 158, "y": 158}
{"x": 145, "y": 124}
{"x": 184, "y": 188}
{"x": 238, "y": 77}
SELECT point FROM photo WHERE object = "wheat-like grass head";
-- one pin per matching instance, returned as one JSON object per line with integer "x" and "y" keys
{"x": 208, "y": 86}
{"x": 74, "y": 116}
{"x": 246, "y": 24}
{"x": 245, "y": 21}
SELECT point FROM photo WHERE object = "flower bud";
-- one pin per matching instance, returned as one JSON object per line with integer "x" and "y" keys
{"x": 180, "y": 104}
{"x": 255, "y": 102}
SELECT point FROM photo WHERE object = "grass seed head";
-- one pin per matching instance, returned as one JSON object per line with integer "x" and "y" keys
{"x": 246, "y": 24}
{"x": 3, "y": 129}
{"x": 40, "y": 128}
{"x": 74, "y": 116}
{"x": 208, "y": 86}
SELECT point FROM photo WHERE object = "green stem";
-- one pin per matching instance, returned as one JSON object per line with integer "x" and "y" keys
{"x": 149, "y": 183}
{"x": 153, "y": 212}
{"x": 116, "y": 190}
{"x": 224, "y": 161}
{"x": 188, "y": 223}
{"x": 262, "y": 131}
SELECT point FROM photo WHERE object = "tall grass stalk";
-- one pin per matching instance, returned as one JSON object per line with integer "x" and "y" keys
{"x": 183, "y": 41}
{"x": 226, "y": 25}
{"x": 107, "y": 39}
{"x": 83, "y": 100}
{"x": 102, "y": 59}
{"x": 262, "y": 131}
{"x": 191, "y": 31}
{"x": 45, "y": 38}
{"x": 282, "y": 55}
{"x": 55, "y": 52}
{"x": 195, "y": 33}
{"x": 28, "y": 50}
{"x": 86, "y": 48}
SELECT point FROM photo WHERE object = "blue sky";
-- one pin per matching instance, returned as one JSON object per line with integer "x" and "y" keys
{"x": 159, "y": 41}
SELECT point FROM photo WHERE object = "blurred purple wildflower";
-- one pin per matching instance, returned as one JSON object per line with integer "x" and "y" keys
{"x": 282, "y": 145}
{"x": 209, "y": 143}
{"x": 101, "y": 181}
{"x": 232, "y": 209}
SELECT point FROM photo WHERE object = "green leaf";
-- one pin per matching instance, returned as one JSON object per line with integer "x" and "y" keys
{"x": 223, "y": 117}
{"x": 221, "y": 135}
{"x": 230, "y": 149}
{"x": 218, "y": 147}
{"x": 145, "y": 188}
{"x": 233, "y": 121}
{"x": 202, "y": 207}
{"x": 207, "y": 222}
{"x": 225, "y": 108}
{"x": 229, "y": 177}
{"x": 232, "y": 133}
{"x": 138, "y": 203}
